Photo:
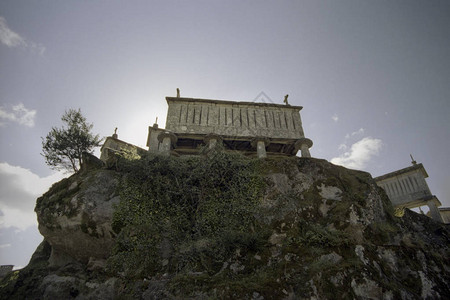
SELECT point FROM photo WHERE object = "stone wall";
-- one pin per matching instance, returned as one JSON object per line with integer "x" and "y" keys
{"x": 445, "y": 214}
{"x": 407, "y": 188}
{"x": 406, "y": 185}
{"x": 5, "y": 269}
{"x": 237, "y": 119}
{"x": 112, "y": 146}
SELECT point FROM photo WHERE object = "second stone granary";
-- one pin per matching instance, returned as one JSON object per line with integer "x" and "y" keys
{"x": 252, "y": 128}
{"x": 407, "y": 188}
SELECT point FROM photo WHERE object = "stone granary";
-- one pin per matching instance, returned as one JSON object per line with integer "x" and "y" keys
{"x": 113, "y": 145}
{"x": 252, "y": 128}
{"x": 407, "y": 188}
{"x": 5, "y": 270}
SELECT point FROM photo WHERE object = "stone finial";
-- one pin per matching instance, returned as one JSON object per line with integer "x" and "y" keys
{"x": 412, "y": 160}
{"x": 115, "y": 135}
{"x": 286, "y": 100}
{"x": 155, "y": 125}
{"x": 178, "y": 93}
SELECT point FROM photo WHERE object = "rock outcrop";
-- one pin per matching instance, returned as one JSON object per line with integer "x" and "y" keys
{"x": 76, "y": 218}
{"x": 224, "y": 226}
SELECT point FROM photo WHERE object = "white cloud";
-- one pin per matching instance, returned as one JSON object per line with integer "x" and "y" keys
{"x": 354, "y": 133}
{"x": 342, "y": 147}
{"x": 9, "y": 37}
{"x": 17, "y": 246}
{"x": 335, "y": 117}
{"x": 360, "y": 131}
{"x": 19, "y": 189}
{"x": 18, "y": 114}
{"x": 359, "y": 154}
{"x": 13, "y": 39}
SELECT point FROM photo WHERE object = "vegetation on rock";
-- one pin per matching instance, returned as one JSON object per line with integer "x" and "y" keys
{"x": 223, "y": 225}
{"x": 173, "y": 218}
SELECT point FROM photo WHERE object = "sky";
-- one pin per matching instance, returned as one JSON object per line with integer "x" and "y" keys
{"x": 373, "y": 78}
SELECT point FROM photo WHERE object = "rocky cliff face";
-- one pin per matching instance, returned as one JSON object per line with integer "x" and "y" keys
{"x": 223, "y": 226}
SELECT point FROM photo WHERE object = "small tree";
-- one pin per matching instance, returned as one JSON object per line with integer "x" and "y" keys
{"x": 62, "y": 148}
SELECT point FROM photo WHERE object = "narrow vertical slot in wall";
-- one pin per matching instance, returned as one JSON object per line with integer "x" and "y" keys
{"x": 248, "y": 119}
{"x": 417, "y": 184}
{"x": 403, "y": 186}
{"x": 389, "y": 189}
{"x": 394, "y": 189}
{"x": 226, "y": 120}
{"x": 400, "y": 186}
{"x": 265, "y": 118}
{"x": 407, "y": 185}
{"x": 293, "y": 120}
{"x": 410, "y": 181}
{"x": 240, "y": 116}
{"x": 232, "y": 117}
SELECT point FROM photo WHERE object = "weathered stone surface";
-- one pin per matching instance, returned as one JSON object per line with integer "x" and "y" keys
{"x": 325, "y": 232}
{"x": 90, "y": 161}
{"x": 330, "y": 192}
{"x": 233, "y": 118}
{"x": 261, "y": 129}
{"x": 76, "y": 221}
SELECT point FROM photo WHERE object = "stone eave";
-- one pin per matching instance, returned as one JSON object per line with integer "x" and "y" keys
{"x": 176, "y": 99}
{"x": 420, "y": 201}
{"x": 403, "y": 171}
{"x": 198, "y": 136}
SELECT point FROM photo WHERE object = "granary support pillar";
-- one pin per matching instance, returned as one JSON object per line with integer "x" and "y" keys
{"x": 260, "y": 143}
{"x": 434, "y": 211}
{"x": 303, "y": 145}
{"x": 168, "y": 141}
{"x": 212, "y": 140}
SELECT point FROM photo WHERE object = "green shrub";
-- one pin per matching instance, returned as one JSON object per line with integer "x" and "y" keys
{"x": 177, "y": 201}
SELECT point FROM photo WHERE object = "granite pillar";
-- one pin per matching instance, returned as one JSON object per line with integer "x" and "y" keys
{"x": 260, "y": 143}
{"x": 167, "y": 142}
{"x": 303, "y": 145}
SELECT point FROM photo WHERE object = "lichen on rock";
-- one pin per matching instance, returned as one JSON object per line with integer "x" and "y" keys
{"x": 226, "y": 226}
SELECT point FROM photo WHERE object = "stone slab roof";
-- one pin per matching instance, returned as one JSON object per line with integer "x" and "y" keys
{"x": 403, "y": 171}
{"x": 117, "y": 141}
{"x": 198, "y": 100}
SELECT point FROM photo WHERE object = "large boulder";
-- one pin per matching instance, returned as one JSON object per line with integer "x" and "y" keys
{"x": 225, "y": 226}
{"x": 75, "y": 217}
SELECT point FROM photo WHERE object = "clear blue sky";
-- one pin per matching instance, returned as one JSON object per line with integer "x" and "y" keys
{"x": 373, "y": 78}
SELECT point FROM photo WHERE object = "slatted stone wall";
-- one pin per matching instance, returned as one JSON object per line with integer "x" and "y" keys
{"x": 238, "y": 119}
